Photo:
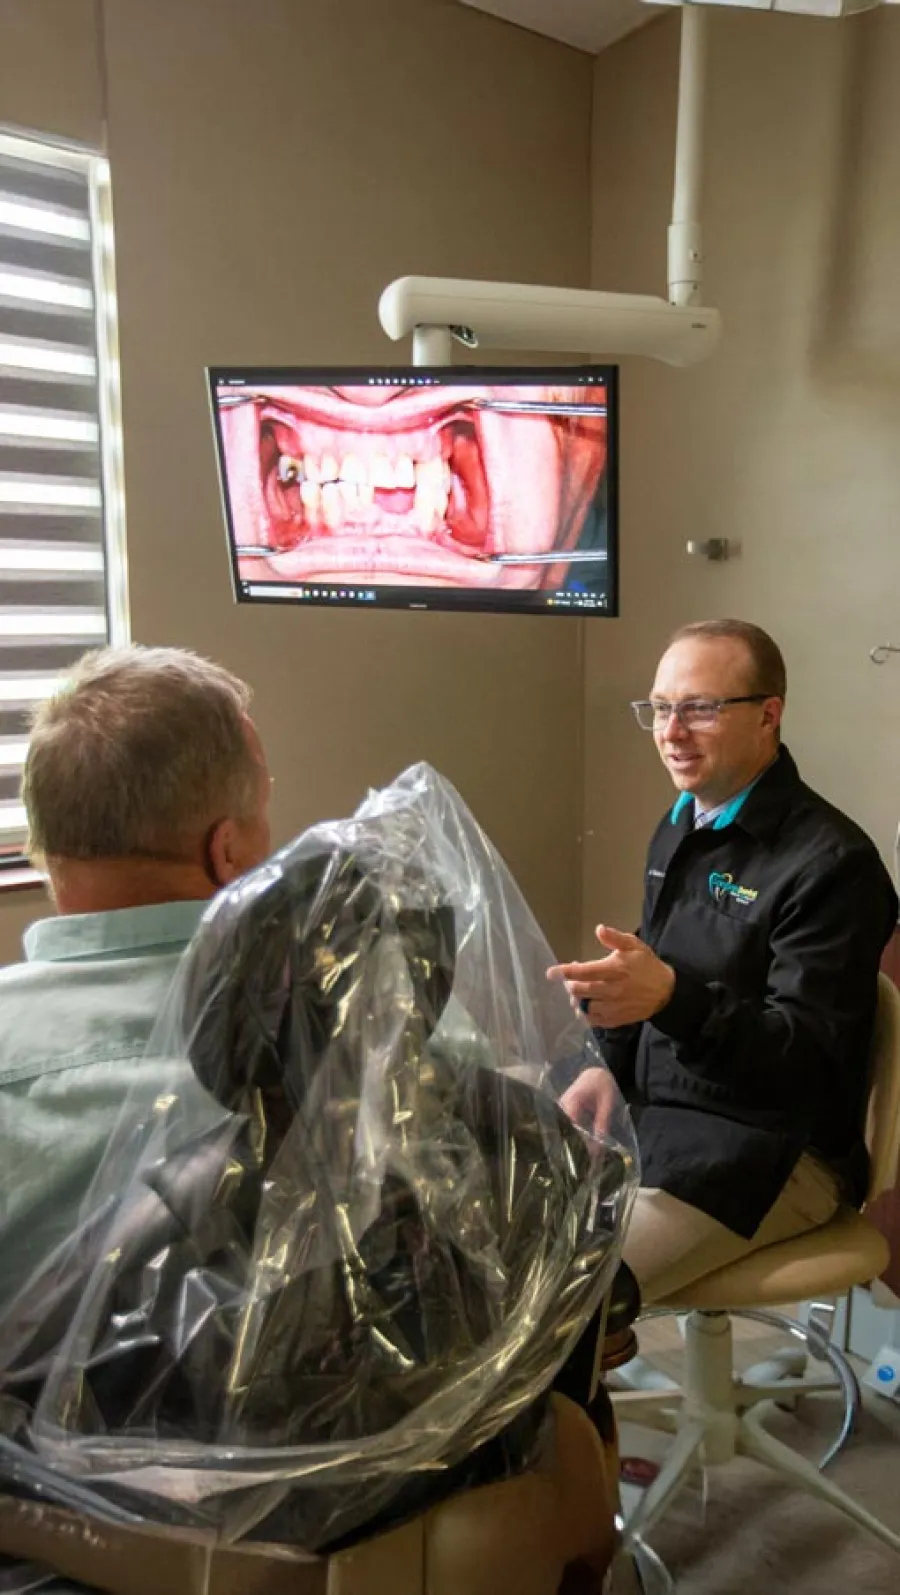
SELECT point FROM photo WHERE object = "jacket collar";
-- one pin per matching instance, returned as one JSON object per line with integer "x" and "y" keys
{"x": 773, "y": 796}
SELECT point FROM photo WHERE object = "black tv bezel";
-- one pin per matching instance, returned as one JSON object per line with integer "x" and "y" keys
{"x": 463, "y": 600}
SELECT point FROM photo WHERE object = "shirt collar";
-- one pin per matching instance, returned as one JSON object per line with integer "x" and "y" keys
{"x": 723, "y": 813}
{"x": 159, "y": 927}
{"x": 760, "y": 805}
{"x": 714, "y": 819}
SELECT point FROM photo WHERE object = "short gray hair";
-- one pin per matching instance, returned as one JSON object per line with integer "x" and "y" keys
{"x": 138, "y": 755}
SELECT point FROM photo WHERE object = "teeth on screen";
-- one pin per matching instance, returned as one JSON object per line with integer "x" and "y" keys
{"x": 337, "y": 488}
{"x": 332, "y": 504}
{"x": 405, "y": 472}
{"x": 289, "y": 470}
{"x": 382, "y": 472}
{"x": 433, "y": 479}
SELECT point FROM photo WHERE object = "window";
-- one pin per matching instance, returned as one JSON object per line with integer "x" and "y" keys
{"x": 62, "y": 562}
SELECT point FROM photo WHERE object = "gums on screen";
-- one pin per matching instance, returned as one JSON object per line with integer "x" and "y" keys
{"x": 448, "y": 489}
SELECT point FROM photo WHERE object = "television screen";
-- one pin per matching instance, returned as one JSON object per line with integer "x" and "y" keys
{"x": 446, "y": 488}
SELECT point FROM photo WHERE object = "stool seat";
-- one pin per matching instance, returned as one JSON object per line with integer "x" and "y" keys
{"x": 845, "y": 1252}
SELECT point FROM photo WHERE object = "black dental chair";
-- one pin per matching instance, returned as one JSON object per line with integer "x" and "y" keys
{"x": 350, "y": 1260}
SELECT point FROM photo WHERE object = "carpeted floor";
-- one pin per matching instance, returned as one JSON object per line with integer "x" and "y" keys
{"x": 754, "y": 1535}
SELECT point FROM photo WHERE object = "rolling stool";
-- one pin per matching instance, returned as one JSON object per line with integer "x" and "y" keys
{"x": 714, "y": 1415}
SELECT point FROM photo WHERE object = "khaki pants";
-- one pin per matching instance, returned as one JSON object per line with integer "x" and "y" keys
{"x": 670, "y": 1244}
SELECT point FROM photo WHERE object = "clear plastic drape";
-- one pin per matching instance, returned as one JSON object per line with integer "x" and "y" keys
{"x": 361, "y": 1237}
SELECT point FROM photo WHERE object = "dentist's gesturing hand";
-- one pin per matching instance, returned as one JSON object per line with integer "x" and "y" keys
{"x": 629, "y": 985}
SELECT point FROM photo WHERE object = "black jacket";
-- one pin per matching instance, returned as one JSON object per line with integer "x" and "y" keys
{"x": 774, "y": 925}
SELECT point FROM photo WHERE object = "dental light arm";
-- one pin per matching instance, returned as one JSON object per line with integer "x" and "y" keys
{"x": 506, "y": 315}
{"x": 685, "y": 232}
{"x": 678, "y": 330}
{"x": 806, "y": 8}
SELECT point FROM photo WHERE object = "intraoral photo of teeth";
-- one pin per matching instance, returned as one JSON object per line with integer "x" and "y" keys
{"x": 446, "y": 486}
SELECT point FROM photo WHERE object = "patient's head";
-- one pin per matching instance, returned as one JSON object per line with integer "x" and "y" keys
{"x": 145, "y": 781}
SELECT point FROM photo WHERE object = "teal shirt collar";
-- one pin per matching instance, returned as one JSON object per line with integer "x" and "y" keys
{"x": 123, "y": 931}
{"x": 726, "y": 815}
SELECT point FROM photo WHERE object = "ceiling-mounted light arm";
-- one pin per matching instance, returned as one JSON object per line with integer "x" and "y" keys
{"x": 677, "y": 330}
{"x": 433, "y": 341}
{"x": 685, "y": 232}
{"x": 514, "y": 315}
{"x": 432, "y": 346}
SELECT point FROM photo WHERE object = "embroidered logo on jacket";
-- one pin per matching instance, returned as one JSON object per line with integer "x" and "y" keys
{"x": 726, "y": 886}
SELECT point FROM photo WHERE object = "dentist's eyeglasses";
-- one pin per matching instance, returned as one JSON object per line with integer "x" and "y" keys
{"x": 695, "y": 714}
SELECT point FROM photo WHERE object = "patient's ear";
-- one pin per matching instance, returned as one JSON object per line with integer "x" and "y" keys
{"x": 225, "y": 853}
{"x": 235, "y": 846}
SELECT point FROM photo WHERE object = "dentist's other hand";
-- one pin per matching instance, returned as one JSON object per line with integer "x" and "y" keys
{"x": 629, "y": 985}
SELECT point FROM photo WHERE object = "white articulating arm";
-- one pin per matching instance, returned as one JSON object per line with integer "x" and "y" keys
{"x": 677, "y": 330}
{"x": 685, "y": 234}
{"x": 432, "y": 345}
{"x": 512, "y": 315}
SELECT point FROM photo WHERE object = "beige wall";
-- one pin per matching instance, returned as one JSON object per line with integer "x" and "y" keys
{"x": 788, "y": 439}
{"x": 274, "y": 166}
{"x": 51, "y": 68}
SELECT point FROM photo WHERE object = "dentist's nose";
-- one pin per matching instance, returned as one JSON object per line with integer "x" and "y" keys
{"x": 674, "y": 730}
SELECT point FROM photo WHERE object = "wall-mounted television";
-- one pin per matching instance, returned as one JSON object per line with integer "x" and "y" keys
{"x": 445, "y": 488}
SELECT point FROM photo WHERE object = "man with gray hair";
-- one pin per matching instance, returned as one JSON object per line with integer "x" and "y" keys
{"x": 146, "y": 790}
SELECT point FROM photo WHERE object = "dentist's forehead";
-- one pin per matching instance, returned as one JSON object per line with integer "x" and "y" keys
{"x": 703, "y": 667}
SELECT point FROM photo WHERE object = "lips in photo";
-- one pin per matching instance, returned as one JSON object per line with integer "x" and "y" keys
{"x": 410, "y": 486}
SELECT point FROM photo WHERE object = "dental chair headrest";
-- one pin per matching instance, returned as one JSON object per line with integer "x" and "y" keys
{"x": 289, "y": 951}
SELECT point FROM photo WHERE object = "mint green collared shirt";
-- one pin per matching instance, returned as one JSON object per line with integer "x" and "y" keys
{"x": 75, "y": 1021}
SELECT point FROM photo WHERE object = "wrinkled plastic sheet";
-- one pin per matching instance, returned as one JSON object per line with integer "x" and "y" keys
{"x": 359, "y": 1239}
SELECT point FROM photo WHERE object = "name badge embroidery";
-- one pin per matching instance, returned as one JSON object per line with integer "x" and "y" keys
{"x": 726, "y": 886}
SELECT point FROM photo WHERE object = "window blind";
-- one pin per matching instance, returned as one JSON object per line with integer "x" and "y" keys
{"x": 55, "y": 551}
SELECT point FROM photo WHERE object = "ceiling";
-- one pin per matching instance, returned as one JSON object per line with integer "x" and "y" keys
{"x": 587, "y": 24}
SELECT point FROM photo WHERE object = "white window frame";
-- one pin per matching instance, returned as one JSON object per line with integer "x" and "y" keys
{"x": 94, "y": 168}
